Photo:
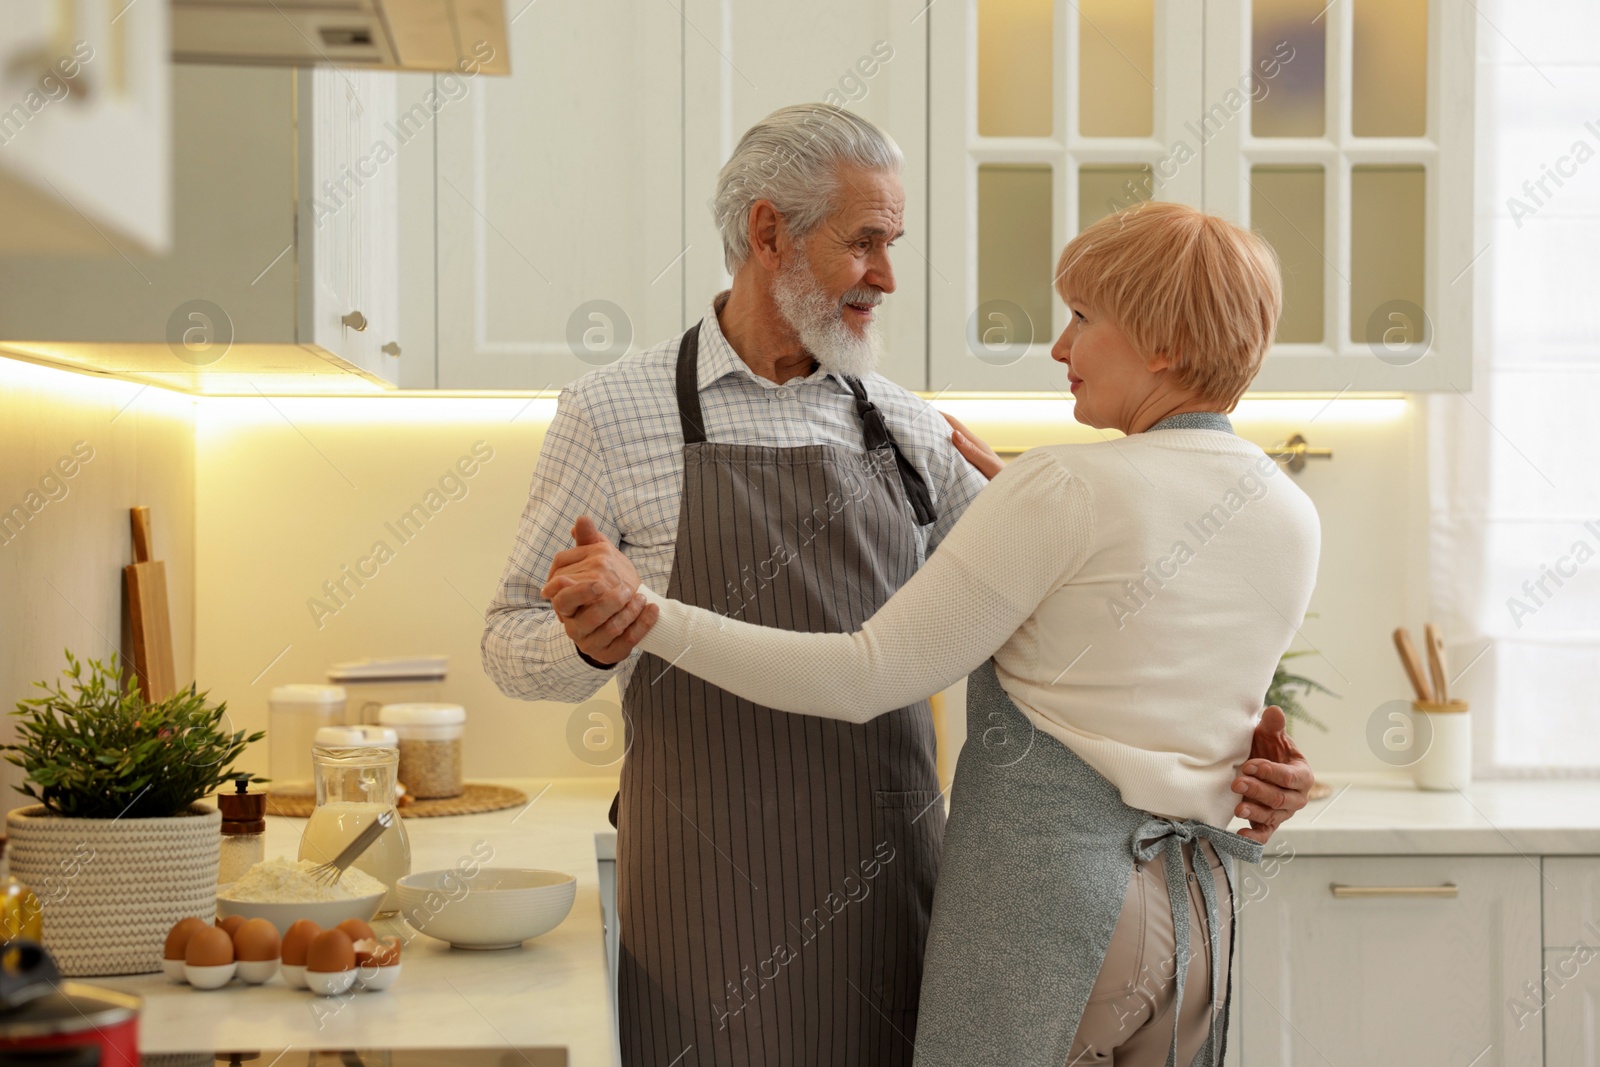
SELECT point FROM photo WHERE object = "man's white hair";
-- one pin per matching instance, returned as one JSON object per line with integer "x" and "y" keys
{"x": 791, "y": 159}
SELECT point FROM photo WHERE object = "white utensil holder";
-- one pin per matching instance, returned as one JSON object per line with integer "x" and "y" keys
{"x": 1447, "y": 762}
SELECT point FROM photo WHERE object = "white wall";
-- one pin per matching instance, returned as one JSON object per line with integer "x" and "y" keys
{"x": 1371, "y": 497}
{"x": 61, "y": 583}
{"x": 292, "y": 489}
{"x": 296, "y": 489}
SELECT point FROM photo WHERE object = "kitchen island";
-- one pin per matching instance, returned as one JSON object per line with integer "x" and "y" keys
{"x": 553, "y": 992}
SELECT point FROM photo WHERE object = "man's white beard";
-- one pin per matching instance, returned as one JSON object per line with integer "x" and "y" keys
{"x": 819, "y": 320}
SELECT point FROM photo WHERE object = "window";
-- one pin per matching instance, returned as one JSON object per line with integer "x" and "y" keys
{"x": 1515, "y": 498}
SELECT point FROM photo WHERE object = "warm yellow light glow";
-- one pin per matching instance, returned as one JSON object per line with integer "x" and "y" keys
{"x": 217, "y": 413}
{"x": 66, "y": 385}
{"x": 220, "y": 413}
{"x": 1035, "y": 410}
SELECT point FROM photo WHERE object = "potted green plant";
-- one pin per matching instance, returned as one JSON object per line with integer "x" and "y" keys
{"x": 1287, "y": 691}
{"x": 119, "y": 846}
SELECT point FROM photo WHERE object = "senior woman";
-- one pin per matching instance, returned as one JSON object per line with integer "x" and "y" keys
{"x": 1120, "y": 606}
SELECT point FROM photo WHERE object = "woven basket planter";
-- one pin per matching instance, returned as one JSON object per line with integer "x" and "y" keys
{"x": 110, "y": 889}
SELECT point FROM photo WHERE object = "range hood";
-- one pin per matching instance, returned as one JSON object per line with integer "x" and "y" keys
{"x": 439, "y": 35}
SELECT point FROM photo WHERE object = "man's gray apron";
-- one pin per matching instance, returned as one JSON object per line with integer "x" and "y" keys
{"x": 775, "y": 872}
{"x": 1037, "y": 858}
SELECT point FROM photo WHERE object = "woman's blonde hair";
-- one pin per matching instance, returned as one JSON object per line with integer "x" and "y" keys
{"x": 1192, "y": 286}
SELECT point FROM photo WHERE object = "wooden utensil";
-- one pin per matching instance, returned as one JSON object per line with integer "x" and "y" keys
{"x": 1412, "y": 664}
{"x": 1437, "y": 663}
{"x": 147, "y": 610}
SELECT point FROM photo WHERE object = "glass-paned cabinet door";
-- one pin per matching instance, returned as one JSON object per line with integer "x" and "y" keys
{"x": 1343, "y": 134}
{"x": 1044, "y": 115}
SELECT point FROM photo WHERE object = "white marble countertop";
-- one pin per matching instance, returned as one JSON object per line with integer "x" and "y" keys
{"x": 551, "y": 992}
{"x": 1384, "y": 814}
{"x": 1375, "y": 815}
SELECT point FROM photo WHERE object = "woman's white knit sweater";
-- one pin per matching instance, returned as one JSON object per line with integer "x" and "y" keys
{"x": 1135, "y": 595}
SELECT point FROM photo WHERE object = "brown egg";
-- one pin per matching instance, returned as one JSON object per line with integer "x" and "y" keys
{"x": 231, "y": 924}
{"x": 387, "y": 954}
{"x": 178, "y": 937}
{"x": 297, "y": 941}
{"x": 357, "y": 930}
{"x": 208, "y": 947}
{"x": 331, "y": 952}
{"x": 256, "y": 940}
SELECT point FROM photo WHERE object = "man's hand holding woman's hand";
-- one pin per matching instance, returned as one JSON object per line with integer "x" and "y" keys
{"x": 593, "y": 589}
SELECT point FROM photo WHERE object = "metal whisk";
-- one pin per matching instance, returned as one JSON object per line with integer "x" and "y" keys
{"x": 330, "y": 873}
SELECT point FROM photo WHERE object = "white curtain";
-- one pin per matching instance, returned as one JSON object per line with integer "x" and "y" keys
{"x": 1515, "y": 461}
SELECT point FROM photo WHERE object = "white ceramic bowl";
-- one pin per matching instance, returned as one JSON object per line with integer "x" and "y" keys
{"x": 173, "y": 969}
{"x": 294, "y": 975}
{"x": 326, "y": 914}
{"x": 499, "y": 907}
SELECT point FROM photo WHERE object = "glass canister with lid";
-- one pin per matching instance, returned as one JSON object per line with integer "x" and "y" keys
{"x": 356, "y": 770}
{"x": 295, "y": 714}
{"x": 430, "y": 747}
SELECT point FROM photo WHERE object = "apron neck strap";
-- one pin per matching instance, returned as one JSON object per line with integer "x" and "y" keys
{"x": 875, "y": 431}
{"x": 694, "y": 423}
{"x": 876, "y": 434}
{"x": 1194, "y": 420}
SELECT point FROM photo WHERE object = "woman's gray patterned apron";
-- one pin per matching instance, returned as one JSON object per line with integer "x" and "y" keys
{"x": 1037, "y": 857}
{"x": 775, "y": 872}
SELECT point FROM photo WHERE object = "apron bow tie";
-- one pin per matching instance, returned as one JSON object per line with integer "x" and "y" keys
{"x": 1157, "y": 835}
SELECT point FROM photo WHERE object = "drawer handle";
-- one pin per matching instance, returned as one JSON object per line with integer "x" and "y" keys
{"x": 1448, "y": 891}
{"x": 355, "y": 320}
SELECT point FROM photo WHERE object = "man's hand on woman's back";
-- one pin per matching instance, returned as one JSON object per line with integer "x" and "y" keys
{"x": 1275, "y": 781}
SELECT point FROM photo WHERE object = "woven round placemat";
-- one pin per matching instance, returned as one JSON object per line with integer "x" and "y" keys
{"x": 477, "y": 798}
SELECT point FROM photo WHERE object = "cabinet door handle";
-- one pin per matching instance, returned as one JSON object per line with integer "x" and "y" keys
{"x": 355, "y": 320}
{"x": 390, "y": 349}
{"x": 1447, "y": 891}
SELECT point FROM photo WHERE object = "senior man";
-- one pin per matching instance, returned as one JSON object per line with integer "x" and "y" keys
{"x": 775, "y": 872}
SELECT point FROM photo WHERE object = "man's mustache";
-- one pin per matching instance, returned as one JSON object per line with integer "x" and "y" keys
{"x": 864, "y": 297}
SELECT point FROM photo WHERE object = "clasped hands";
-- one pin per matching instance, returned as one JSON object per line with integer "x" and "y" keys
{"x": 593, "y": 589}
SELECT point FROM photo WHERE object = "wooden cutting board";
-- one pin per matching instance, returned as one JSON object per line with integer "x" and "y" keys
{"x": 147, "y": 609}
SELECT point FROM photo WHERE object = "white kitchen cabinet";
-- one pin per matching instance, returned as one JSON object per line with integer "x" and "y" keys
{"x": 347, "y": 226}
{"x": 1020, "y": 160}
{"x": 1571, "y": 1009}
{"x": 1571, "y": 981}
{"x": 1391, "y": 960}
{"x": 415, "y": 234}
{"x": 745, "y": 60}
{"x": 1571, "y": 901}
{"x": 285, "y": 251}
{"x": 560, "y": 198}
{"x": 1341, "y": 132}
{"x": 84, "y": 149}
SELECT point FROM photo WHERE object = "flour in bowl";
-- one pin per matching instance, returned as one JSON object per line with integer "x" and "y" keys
{"x": 286, "y": 881}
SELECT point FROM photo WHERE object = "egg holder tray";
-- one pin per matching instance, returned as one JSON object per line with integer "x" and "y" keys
{"x": 362, "y": 975}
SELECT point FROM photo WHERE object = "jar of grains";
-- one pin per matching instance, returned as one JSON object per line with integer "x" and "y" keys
{"x": 430, "y": 747}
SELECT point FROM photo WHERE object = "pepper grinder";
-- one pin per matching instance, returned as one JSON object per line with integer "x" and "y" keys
{"x": 244, "y": 831}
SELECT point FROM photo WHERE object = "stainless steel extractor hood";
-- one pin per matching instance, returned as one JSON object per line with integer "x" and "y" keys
{"x": 389, "y": 34}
